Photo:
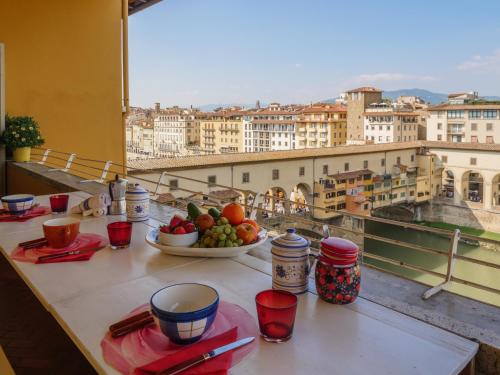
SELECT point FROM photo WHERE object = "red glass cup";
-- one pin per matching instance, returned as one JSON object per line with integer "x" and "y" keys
{"x": 276, "y": 312}
{"x": 59, "y": 203}
{"x": 119, "y": 234}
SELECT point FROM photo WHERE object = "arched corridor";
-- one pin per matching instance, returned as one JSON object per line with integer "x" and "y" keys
{"x": 472, "y": 187}
{"x": 301, "y": 195}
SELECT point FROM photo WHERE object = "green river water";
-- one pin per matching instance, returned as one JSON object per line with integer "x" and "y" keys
{"x": 476, "y": 273}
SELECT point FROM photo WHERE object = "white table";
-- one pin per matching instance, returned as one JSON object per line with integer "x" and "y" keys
{"x": 85, "y": 297}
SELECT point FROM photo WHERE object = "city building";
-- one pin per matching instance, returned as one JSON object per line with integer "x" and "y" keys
{"x": 221, "y": 131}
{"x": 175, "y": 131}
{"x": 271, "y": 129}
{"x": 386, "y": 123}
{"x": 465, "y": 118}
{"x": 358, "y": 101}
{"x": 321, "y": 125}
{"x": 139, "y": 139}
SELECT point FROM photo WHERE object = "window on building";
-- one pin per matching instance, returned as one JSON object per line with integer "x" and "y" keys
{"x": 398, "y": 160}
{"x": 489, "y": 139}
{"x": 440, "y": 137}
{"x": 366, "y": 206}
{"x": 173, "y": 184}
{"x": 346, "y": 166}
{"x": 212, "y": 180}
{"x": 489, "y": 127}
{"x": 325, "y": 169}
{"x": 456, "y": 113}
{"x": 412, "y": 157}
{"x": 382, "y": 162}
{"x": 276, "y": 174}
{"x": 473, "y": 161}
{"x": 473, "y": 127}
{"x": 490, "y": 113}
{"x": 473, "y": 138}
{"x": 412, "y": 193}
{"x": 444, "y": 159}
{"x": 474, "y": 114}
{"x": 245, "y": 177}
{"x": 365, "y": 164}
{"x": 403, "y": 194}
{"x": 440, "y": 126}
{"x": 302, "y": 171}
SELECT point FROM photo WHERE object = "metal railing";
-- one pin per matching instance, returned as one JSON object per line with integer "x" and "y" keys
{"x": 99, "y": 171}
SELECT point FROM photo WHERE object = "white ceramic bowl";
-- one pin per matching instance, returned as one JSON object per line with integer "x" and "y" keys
{"x": 17, "y": 203}
{"x": 183, "y": 240}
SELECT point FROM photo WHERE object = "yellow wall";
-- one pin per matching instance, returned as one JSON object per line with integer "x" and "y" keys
{"x": 63, "y": 67}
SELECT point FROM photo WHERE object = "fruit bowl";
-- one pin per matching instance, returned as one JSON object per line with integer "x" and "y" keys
{"x": 152, "y": 238}
{"x": 171, "y": 239}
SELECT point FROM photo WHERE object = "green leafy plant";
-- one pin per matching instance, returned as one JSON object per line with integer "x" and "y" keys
{"x": 21, "y": 131}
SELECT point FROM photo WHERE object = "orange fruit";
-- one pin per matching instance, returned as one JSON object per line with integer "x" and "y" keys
{"x": 234, "y": 213}
{"x": 253, "y": 223}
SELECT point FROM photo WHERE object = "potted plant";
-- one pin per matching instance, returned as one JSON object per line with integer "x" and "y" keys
{"x": 21, "y": 133}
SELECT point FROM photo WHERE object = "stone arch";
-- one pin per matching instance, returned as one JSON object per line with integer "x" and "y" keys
{"x": 473, "y": 186}
{"x": 496, "y": 190}
{"x": 300, "y": 196}
{"x": 276, "y": 200}
{"x": 448, "y": 184}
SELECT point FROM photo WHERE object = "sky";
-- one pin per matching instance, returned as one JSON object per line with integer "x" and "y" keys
{"x": 199, "y": 52}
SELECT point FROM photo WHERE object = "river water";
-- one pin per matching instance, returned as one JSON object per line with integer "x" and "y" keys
{"x": 476, "y": 273}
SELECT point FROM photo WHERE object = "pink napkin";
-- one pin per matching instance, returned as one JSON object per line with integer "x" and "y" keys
{"x": 216, "y": 366}
{"x": 84, "y": 241}
{"x": 30, "y": 214}
{"x": 148, "y": 346}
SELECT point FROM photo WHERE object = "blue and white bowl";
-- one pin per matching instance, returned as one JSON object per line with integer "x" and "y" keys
{"x": 185, "y": 311}
{"x": 17, "y": 203}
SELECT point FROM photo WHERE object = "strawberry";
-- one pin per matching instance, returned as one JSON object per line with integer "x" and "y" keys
{"x": 340, "y": 279}
{"x": 339, "y": 297}
{"x": 164, "y": 229}
{"x": 189, "y": 227}
{"x": 179, "y": 230}
{"x": 175, "y": 221}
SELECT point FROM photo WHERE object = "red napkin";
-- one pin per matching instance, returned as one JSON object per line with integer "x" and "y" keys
{"x": 30, "y": 214}
{"x": 84, "y": 242}
{"x": 216, "y": 366}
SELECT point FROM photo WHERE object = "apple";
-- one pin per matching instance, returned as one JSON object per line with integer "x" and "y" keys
{"x": 204, "y": 222}
{"x": 252, "y": 223}
{"x": 179, "y": 230}
{"x": 246, "y": 232}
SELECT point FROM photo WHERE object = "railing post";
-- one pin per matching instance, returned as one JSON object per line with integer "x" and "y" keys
{"x": 103, "y": 174}
{"x": 256, "y": 205}
{"x": 44, "y": 157}
{"x": 452, "y": 252}
{"x": 158, "y": 184}
{"x": 68, "y": 164}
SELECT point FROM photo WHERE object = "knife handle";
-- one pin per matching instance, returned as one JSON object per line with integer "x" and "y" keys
{"x": 55, "y": 256}
{"x": 177, "y": 369}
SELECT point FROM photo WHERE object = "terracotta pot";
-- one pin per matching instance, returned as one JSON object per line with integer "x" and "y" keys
{"x": 22, "y": 154}
{"x": 61, "y": 232}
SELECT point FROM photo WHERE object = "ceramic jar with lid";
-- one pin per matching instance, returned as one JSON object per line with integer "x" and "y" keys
{"x": 338, "y": 274}
{"x": 290, "y": 262}
{"x": 137, "y": 202}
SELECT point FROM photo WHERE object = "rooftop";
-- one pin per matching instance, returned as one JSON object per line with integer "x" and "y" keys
{"x": 350, "y": 174}
{"x": 365, "y": 89}
{"x": 471, "y": 105}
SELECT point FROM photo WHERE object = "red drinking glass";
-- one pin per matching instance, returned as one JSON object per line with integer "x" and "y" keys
{"x": 119, "y": 234}
{"x": 59, "y": 203}
{"x": 276, "y": 312}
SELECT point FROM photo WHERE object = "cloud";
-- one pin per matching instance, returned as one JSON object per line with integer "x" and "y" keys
{"x": 391, "y": 77}
{"x": 482, "y": 63}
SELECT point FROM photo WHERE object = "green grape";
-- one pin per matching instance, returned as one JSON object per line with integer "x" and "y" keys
{"x": 227, "y": 230}
{"x": 208, "y": 232}
{"x": 240, "y": 241}
{"x": 224, "y": 220}
{"x": 219, "y": 222}
{"x": 229, "y": 243}
{"x": 219, "y": 229}
{"x": 233, "y": 230}
{"x": 233, "y": 237}
{"x": 222, "y": 237}
{"x": 206, "y": 241}
{"x": 221, "y": 244}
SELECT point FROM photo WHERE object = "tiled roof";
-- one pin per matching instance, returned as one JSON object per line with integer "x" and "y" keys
{"x": 269, "y": 156}
{"x": 442, "y": 107}
{"x": 320, "y": 108}
{"x": 390, "y": 113}
{"x": 365, "y": 89}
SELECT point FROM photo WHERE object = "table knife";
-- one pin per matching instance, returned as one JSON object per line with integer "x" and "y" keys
{"x": 66, "y": 253}
{"x": 177, "y": 369}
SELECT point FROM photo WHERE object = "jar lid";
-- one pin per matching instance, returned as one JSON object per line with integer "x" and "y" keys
{"x": 135, "y": 188}
{"x": 339, "y": 245}
{"x": 291, "y": 241}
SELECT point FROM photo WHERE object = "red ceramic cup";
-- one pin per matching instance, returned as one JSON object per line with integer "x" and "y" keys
{"x": 59, "y": 203}
{"x": 276, "y": 312}
{"x": 119, "y": 234}
{"x": 61, "y": 232}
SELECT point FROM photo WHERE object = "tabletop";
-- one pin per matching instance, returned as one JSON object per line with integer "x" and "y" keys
{"x": 86, "y": 297}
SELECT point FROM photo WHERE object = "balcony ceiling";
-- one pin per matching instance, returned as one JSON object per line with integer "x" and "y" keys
{"x": 135, "y": 6}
